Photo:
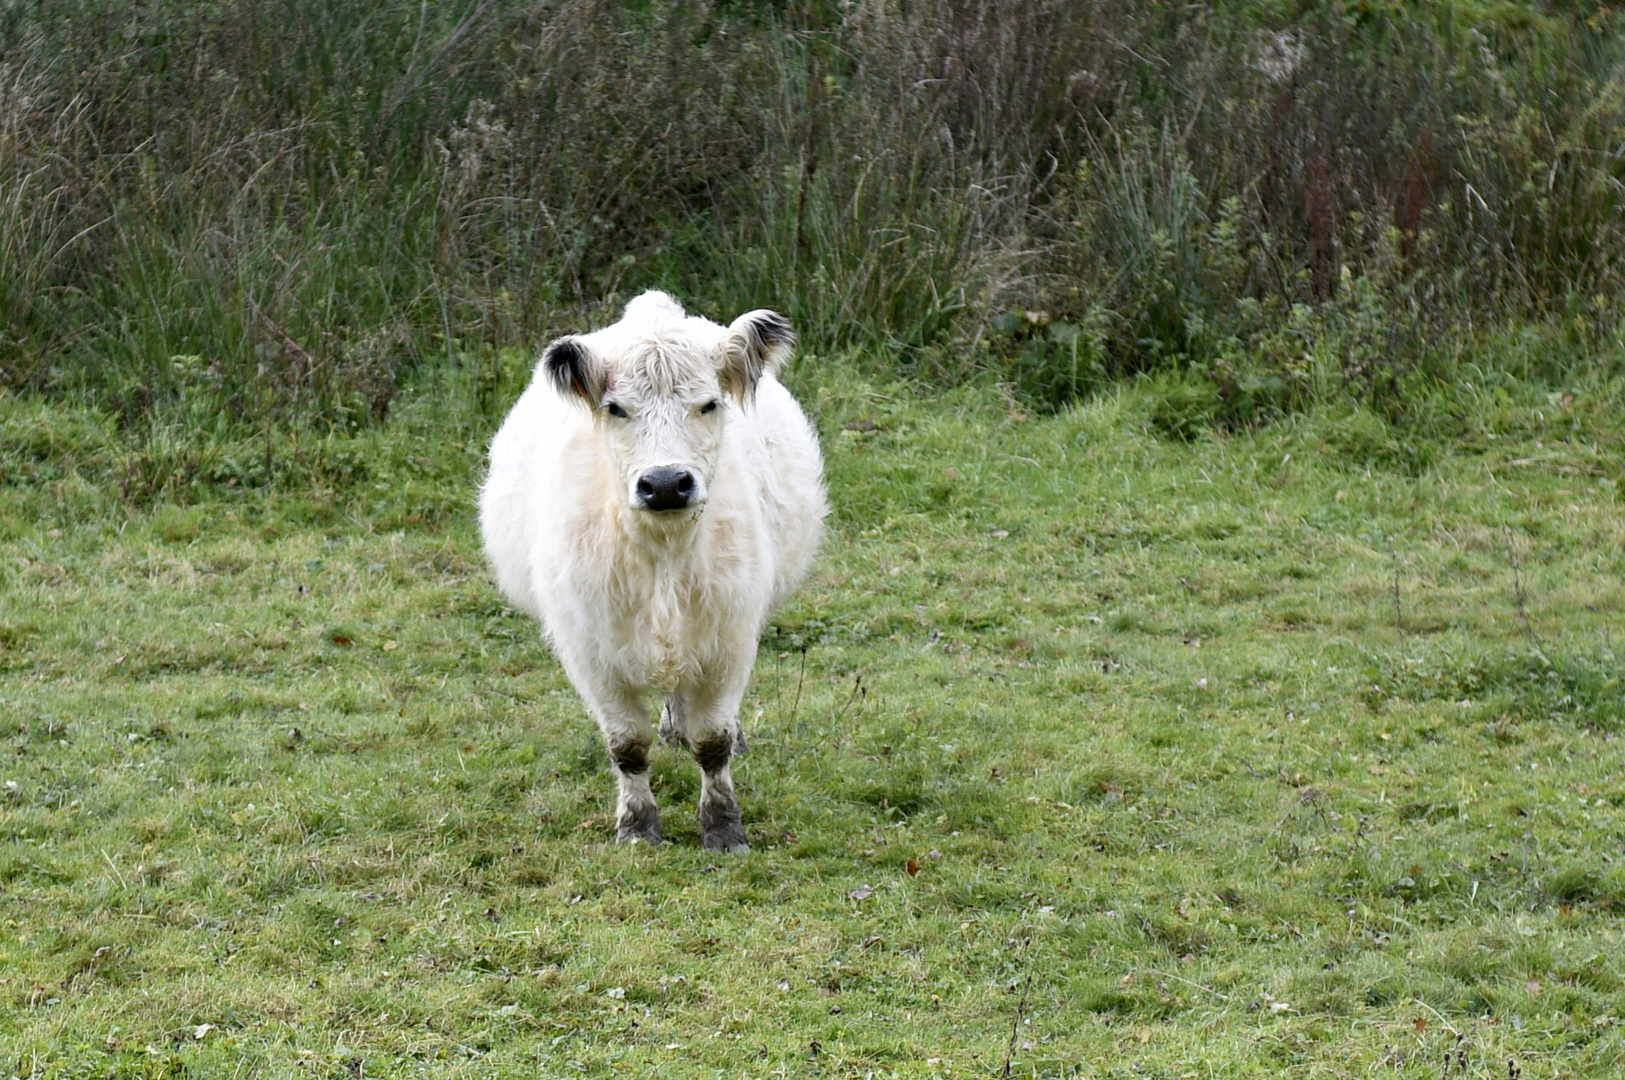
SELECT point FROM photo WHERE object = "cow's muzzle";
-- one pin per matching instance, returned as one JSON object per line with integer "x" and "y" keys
{"x": 666, "y": 488}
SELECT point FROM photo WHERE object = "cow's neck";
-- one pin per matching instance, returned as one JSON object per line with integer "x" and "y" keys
{"x": 662, "y": 543}
{"x": 661, "y": 569}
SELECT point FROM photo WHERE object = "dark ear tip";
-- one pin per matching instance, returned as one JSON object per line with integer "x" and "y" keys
{"x": 774, "y": 328}
{"x": 564, "y": 352}
{"x": 565, "y": 361}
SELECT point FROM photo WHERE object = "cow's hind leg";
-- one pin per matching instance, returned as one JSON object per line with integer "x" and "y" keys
{"x": 673, "y": 729}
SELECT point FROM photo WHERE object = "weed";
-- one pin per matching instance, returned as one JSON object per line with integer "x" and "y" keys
{"x": 1290, "y": 207}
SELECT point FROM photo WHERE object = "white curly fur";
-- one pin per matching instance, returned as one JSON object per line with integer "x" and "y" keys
{"x": 634, "y": 600}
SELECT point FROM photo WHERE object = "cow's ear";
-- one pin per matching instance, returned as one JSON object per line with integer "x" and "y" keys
{"x": 758, "y": 341}
{"x": 574, "y": 370}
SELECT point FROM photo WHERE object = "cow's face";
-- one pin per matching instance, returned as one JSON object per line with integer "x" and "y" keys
{"x": 663, "y": 434}
{"x": 662, "y": 388}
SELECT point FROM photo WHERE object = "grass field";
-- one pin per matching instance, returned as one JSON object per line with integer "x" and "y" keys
{"x": 1085, "y": 752}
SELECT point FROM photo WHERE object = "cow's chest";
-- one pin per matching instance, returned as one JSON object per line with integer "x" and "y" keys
{"x": 666, "y": 630}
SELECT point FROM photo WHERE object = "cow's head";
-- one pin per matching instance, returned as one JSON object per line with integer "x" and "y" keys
{"x": 662, "y": 386}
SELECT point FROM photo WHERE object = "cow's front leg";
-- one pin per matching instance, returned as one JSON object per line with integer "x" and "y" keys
{"x": 636, "y": 815}
{"x": 713, "y": 733}
{"x": 721, "y": 826}
{"x": 625, "y": 723}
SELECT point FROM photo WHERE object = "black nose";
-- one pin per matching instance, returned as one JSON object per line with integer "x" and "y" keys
{"x": 666, "y": 488}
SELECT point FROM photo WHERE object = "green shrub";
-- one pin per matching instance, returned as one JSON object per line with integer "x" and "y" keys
{"x": 279, "y": 214}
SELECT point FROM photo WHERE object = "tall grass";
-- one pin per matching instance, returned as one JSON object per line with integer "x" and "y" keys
{"x": 272, "y": 212}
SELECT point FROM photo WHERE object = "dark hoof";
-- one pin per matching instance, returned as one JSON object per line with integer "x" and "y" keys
{"x": 739, "y": 742}
{"x": 640, "y": 823}
{"x": 722, "y": 830}
{"x": 733, "y": 844}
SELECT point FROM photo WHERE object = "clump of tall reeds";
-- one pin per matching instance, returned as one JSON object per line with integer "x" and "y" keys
{"x": 269, "y": 213}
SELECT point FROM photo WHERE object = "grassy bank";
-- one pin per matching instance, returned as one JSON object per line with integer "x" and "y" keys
{"x": 1099, "y": 744}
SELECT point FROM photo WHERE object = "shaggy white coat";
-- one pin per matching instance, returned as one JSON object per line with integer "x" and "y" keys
{"x": 634, "y": 600}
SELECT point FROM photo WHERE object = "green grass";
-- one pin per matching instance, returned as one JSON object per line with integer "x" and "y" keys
{"x": 1084, "y": 751}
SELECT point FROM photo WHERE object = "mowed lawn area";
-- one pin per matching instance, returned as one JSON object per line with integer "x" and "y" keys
{"x": 1087, "y": 751}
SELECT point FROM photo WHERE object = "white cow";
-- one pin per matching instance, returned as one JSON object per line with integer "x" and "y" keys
{"x": 653, "y": 496}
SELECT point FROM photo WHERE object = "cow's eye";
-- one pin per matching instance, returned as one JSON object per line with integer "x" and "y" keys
{"x": 709, "y": 406}
{"x": 615, "y": 410}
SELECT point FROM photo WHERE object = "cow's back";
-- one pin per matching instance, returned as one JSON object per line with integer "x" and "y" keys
{"x": 778, "y": 443}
